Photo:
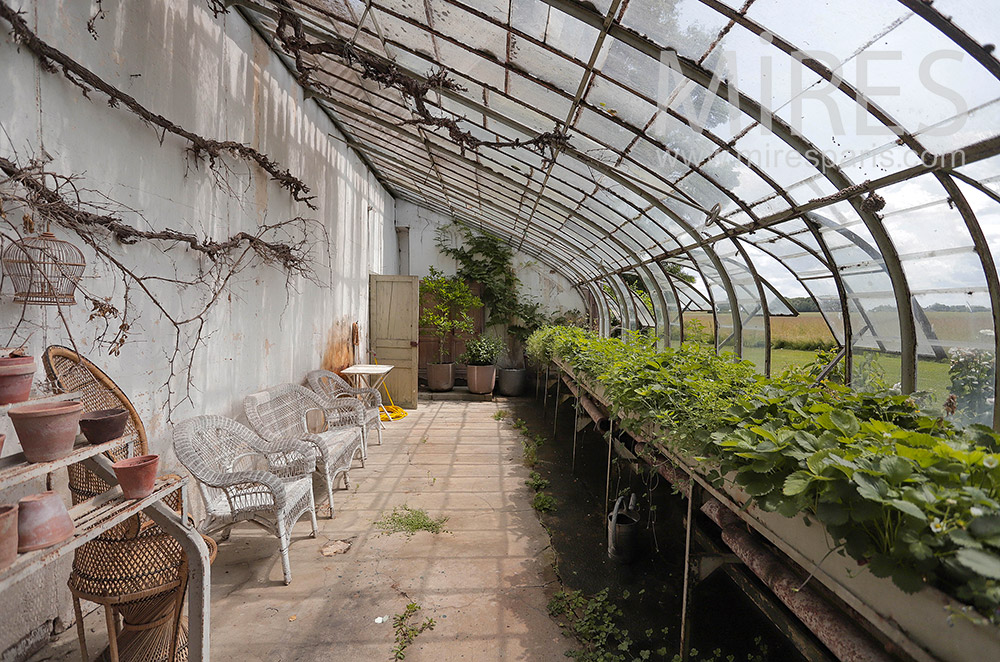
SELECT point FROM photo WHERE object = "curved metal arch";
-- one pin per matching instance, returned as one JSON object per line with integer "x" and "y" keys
{"x": 709, "y": 252}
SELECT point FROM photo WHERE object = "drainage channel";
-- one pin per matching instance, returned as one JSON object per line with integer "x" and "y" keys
{"x": 723, "y": 620}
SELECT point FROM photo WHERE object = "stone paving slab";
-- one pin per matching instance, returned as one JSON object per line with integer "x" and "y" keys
{"x": 486, "y": 581}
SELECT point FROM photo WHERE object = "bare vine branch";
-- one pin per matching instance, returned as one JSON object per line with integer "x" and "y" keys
{"x": 59, "y": 200}
{"x": 55, "y": 61}
{"x": 290, "y": 33}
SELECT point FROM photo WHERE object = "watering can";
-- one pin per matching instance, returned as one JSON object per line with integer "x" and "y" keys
{"x": 623, "y": 530}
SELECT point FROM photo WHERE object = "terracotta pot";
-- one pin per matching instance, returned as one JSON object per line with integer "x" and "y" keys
{"x": 511, "y": 382}
{"x": 137, "y": 475}
{"x": 15, "y": 378}
{"x": 103, "y": 425}
{"x": 3, "y": 438}
{"x": 47, "y": 431}
{"x": 440, "y": 376}
{"x": 481, "y": 378}
{"x": 42, "y": 521}
{"x": 8, "y": 535}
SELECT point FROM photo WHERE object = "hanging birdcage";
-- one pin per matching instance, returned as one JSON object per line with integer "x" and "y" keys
{"x": 44, "y": 270}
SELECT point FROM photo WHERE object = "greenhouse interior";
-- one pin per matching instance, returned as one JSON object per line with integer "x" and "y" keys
{"x": 614, "y": 330}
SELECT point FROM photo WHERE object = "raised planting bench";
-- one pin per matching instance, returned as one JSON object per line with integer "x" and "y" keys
{"x": 926, "y": 626}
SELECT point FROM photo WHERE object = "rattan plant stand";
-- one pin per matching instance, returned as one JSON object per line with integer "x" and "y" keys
{"x": 135, "y": 570}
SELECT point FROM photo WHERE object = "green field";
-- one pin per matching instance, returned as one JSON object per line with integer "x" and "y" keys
{"x": 809, "y": 329}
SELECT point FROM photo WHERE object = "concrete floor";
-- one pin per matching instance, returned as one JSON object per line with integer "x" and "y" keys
{"x": 486, "y": 582}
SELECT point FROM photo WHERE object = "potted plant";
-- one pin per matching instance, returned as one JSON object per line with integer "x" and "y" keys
{"x": 447, "y": 302}
{"x": 529, "y": 318}
{"x": 481, "y": 356}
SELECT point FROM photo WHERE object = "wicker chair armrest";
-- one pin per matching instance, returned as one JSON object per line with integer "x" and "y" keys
{"x": 368, "y": 396}
{"x": 288, "y": 457}
{"x": 318, "y": 444}
{"x": 236, "y": 479}
{"x": 344, "y": 412}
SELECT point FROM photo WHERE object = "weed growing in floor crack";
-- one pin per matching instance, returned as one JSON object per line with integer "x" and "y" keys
{"x": 499, "y": 414}
{"x": 544, "y": 503}
{"x": 404, "y": 519}
{"x": 536, "y": 482}
{"x": 406, "y": 633}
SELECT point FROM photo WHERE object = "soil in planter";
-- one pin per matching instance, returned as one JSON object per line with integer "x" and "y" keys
{"x": 649, "y": 590}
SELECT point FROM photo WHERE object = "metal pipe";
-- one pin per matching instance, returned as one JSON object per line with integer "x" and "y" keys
{"x": 844, "y": 638}
{"x": 600, "y": 419}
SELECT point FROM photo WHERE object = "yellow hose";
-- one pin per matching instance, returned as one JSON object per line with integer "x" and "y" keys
{"x": 392, "y": 412}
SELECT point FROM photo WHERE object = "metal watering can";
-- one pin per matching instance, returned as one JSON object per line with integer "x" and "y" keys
{"x": 623, "y": 531}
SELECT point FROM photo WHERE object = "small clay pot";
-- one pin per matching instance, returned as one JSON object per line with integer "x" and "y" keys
{"x": 103, "y": 425}
{"x": 3, "y": 438}
{"x": 42, "y": 521}
{"x": 47, "y": 431}
{"x": 15, "y": 378}
{"x": 8, "y": 535}
{"x": 137, "y": 475}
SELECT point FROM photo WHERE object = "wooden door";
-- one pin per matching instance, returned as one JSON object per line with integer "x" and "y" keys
{"x": 394, "y": 305}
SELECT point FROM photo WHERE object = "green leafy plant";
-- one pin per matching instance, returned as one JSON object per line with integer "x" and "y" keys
{"x": 489, "y": 261}
{"x": 906, "y": 494}
{"x": 447, "y": 301}
{"x": 404, "y": 519}
{"x": 536, "y": 482}
{"x": 544, "y": 503}
{"x": 406, "y": 633}
{"x": 485, "y": 350}
{"x": 499, "y": 414}
{"x": 972, "y": 372}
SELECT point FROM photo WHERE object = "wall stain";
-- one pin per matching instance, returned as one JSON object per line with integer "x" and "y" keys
{"x": 337, "y": 353}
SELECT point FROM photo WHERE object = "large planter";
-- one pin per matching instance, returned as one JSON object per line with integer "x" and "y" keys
{"x": 137, "y": 475}
{"x": 47, "y": 431}
{"x": 15, "y": 378}
{"x": 42, "y": 521}
{"x": 440, "y": 376}
{"x": 511, "y": 382}
{"x": 8, "y": 535}
{"x": 481, "y": 378}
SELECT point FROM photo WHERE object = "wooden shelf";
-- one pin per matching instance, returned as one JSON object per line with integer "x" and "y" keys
{"x": 15, "y": 469}
{"x": 92, "y": 517}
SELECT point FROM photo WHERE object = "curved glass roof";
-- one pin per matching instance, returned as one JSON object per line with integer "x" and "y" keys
{"x": 726, "y": 154}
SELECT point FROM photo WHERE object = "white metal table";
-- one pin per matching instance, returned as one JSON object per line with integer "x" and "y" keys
{"x": 373, "y": 374}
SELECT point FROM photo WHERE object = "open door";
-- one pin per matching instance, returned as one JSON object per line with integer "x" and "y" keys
{"x": 394, "y": 305}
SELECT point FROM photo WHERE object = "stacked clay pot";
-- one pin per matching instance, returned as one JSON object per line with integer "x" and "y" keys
{"x": 42, "y": 521}
{"x": 16, "y": 373}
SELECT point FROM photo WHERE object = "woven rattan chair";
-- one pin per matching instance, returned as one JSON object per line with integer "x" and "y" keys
{"x": 244, "y": 478}
{"x": 283, "y": 412}
{"x": 330, "y": 386}
{"x": 135, "y": 570}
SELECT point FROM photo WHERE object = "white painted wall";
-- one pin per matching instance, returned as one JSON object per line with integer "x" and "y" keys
{"x": 216, "y": 77}
{"x": 538, "y": 280}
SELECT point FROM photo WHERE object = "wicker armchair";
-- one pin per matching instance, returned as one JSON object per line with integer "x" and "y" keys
{"x": 135, "y": 570}
{"x": 330, "y": 386}
{"x": 243, "y": 478}
{"x": 283, "y": 412}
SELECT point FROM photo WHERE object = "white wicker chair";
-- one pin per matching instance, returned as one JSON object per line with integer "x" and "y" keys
{"x": 244, "y": 478}
{"x": 330, "y": 386}
{"x": 280, "y": 413}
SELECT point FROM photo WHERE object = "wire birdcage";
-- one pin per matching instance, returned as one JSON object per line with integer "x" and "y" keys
{"x": 44, "y": 270}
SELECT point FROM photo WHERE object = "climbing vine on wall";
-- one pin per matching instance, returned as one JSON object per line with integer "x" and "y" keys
{"x": 55, "y": 61}
{"x": 46, "y": 199}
